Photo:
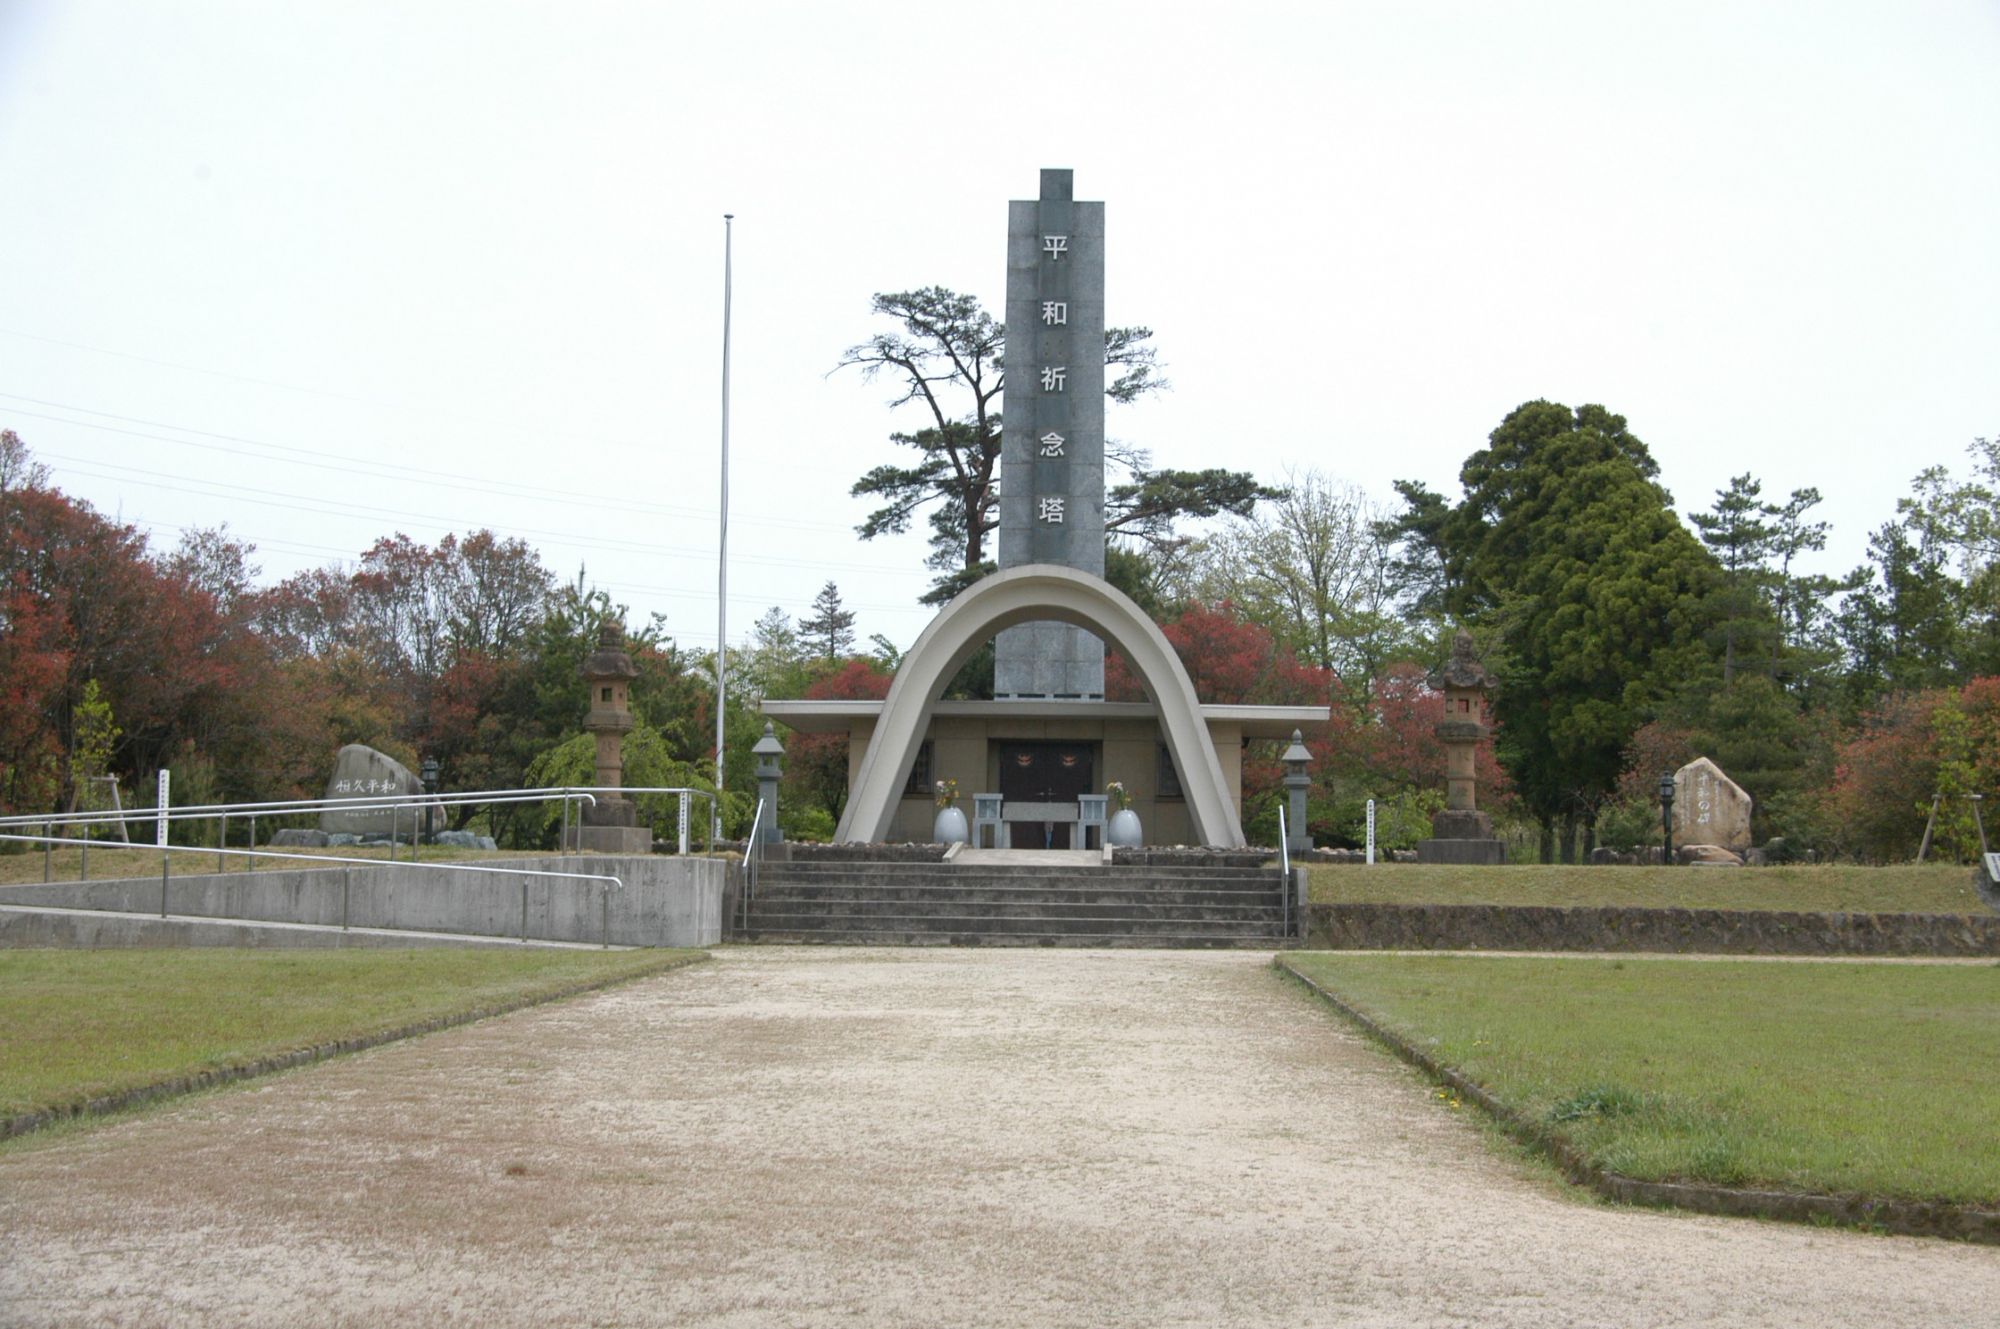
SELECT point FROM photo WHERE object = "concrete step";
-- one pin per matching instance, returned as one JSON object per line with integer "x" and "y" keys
{"x": 952, "y": 871}
{"x": 1016, "y": 895}
{"x": 848, "y": 910}
{"x": 1064, "y": 901}
{"x": 1080, "y": 940}
{"x": 942, "y": 921}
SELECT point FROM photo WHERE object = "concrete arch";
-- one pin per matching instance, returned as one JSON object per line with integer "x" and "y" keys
{"x": 1037, "y": 592}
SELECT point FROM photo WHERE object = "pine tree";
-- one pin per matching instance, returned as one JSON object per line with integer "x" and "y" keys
{"x": 1738, "y": 532}
{"x": 829, "y": 633}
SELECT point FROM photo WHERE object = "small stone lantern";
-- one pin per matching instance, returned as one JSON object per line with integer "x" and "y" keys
{"x": 1298, "y": 839}
{"x": 1461, "y": 833}
{"x": 611, "y": 825}
{"x": 767, "y": 752}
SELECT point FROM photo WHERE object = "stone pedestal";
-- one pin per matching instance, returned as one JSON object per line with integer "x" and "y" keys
{"x": 1461, "y": 836}
{"x": 612, "y": 839}
{"x": 611, "y": 827}
{"x": 1482, "y": 853}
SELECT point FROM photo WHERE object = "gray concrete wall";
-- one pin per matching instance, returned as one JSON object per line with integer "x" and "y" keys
{"x": 90, "y": 930}
{"x": 665, "y": 902}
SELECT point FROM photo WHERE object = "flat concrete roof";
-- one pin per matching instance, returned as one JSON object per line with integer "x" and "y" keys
{"x": 820, "y": 717}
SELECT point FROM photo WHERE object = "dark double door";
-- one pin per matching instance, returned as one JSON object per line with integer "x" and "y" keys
{"x": 1044, "y": 773}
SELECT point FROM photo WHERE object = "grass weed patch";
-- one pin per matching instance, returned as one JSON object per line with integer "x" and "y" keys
{"x": 83, "y": 1024}
{"x": 1872, "y": 1078}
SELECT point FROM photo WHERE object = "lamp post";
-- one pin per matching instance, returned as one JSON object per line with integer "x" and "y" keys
{"x": 1297, "y": 839}
{"x": 1667, "y": 819}
{"x": 429, "y": 775}
{"x": 767, "y": 752}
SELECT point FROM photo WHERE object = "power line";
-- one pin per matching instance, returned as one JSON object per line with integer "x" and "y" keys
{"x": 334, "y": 507}
{"x": 300, "y": 388}
{"x": 345, "y": 466}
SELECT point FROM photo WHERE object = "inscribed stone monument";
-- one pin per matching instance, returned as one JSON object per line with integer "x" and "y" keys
{"x": 1052, "y": 440}
{"x": 1710, "y": 808}
{"x": 360, "y": 772}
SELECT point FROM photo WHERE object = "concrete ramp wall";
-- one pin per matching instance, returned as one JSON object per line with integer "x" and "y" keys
{"x": 666, "y": 901}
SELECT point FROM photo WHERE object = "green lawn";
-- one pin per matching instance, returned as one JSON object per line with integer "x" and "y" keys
{"x": 84, "y": 1023}
{"x": 1880, "y": 1079}
{"x": 1910, "y": 888}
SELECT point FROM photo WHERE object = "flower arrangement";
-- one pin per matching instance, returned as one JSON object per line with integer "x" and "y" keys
{"x": 947, "y": 793}
{"x": 1120, "y": 800}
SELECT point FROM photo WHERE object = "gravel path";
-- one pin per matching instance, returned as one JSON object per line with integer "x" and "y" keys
{"x": 812, "y": 1137}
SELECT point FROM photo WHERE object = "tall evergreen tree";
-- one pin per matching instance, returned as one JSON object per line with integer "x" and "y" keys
{"x": 1738, "y": 531}
{"x": 829, "y": 633}
{"x": 1566, "y": 542}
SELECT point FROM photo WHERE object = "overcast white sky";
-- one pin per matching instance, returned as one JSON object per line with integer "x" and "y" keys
{"x": 330, "y": 270}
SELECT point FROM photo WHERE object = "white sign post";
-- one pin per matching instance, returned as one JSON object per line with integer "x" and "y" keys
{"x": 160, "y": 815}
{"x": 1371, "y": 832}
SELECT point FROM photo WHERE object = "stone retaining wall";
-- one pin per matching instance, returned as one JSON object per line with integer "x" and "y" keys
{"x": 666, "y": 901}
{"x": 1478, "y": 927}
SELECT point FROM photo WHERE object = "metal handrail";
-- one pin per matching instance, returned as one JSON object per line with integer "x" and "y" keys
{"x": 686, "y": 792}
{"x": 284, "y": 806}
{"x": 392, "y": 803}
{"x": 1285, "y": 866}
{"x": 607, "y": 881}
{"x": 751, "y": 859}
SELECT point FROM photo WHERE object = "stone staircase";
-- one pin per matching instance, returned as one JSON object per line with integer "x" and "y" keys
{"x": 1069, "y": 900}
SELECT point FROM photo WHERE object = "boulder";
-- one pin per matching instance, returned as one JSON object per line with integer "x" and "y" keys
{"x": 459, "y": 839}
{"x": 360, "y": 772}
{"x": 292, "y": 838}
{"x": 1710, "y": 808}
{"x": 1708, "y": 855}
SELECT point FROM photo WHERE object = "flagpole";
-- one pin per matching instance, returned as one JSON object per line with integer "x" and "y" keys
{"x": 722, "y": 562}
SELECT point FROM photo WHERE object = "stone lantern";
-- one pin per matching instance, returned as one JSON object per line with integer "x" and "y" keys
{"x": 1298, "y": 839}
{"x": 611, "y": 825}
{"x": 1461, "y": 833}
{"x": 767, "y": 752}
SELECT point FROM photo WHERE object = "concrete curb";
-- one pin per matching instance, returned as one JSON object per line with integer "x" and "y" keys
{"x": 1911, "y": 1218}
{"x": 179, "y": 1085}
{"x": 1474, "y": 927}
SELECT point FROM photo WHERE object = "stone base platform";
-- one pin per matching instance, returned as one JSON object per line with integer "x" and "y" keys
{"x": 1478, "y": 853}
{"x": 612, "y": 839}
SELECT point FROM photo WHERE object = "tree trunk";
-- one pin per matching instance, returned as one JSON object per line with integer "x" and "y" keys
{"x": 1569, "y": 837}
{"x": 1548, "y": 854}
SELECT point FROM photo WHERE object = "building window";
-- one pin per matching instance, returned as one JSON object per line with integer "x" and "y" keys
{"x": 920, "y": 773}
{"x": 1169, "y": 779}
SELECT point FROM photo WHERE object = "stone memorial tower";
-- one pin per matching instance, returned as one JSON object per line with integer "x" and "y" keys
{"x": 1461, "y": 833}
{"x": 1052, "y": 440}
{"x": 611, "y": 825}
{"x": 1039, "y": 757}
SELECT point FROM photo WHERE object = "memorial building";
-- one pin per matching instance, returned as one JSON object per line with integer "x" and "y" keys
{"x": 1033, "y": 764}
